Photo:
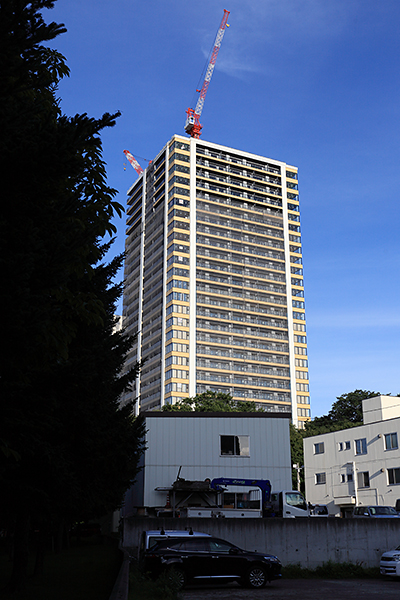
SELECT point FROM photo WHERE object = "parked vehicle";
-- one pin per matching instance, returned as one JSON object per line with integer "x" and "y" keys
{"x": 285, "y": 504}
{"x": 376, "y": 512}
{"x": 219, "y": 513}
{"x": 319, "y": 510}
{"x": 226, "y": 503}
{"x": 397, "y": 506}
{"x": 289, "y": 505}
{"x": 148, "y": 539}
{"x": 202, "y": 557}
{"x": 390, "y": 563}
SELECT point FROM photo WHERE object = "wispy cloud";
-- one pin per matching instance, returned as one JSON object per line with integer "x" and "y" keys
{"x": 263, "y": 28}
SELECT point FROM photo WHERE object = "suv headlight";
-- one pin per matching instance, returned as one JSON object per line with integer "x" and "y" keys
{"x": 275, "y": 559}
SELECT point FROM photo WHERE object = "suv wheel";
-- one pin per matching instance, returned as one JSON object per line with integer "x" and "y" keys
{"x": 256, "y": 577}
{"x": 177, "y": 577}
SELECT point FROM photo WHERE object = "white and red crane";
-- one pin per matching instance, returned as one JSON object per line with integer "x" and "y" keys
{"x": 133, "y": 162}
{"x": 192, "y": 125}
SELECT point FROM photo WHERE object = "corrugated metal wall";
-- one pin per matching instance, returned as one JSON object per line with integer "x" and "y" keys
{"x": 194, "y": 444}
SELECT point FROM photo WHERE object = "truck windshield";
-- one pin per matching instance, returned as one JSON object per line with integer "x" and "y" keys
{"x": 296, "y": 499}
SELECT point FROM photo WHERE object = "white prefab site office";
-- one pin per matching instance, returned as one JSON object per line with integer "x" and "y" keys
{"x": 204, "y": 446}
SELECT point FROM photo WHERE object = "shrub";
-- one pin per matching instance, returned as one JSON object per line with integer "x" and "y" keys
{"x": 141, "y": 587}
{"x": 331, "y": 570}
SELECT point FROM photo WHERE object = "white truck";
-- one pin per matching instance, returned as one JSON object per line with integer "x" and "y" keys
{"x": 287, "y": 504}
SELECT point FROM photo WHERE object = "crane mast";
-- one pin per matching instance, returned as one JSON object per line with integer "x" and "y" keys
{"x": 192, "y": 125}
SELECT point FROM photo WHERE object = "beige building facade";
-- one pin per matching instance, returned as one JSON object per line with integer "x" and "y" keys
{"x": 214, "y": 279}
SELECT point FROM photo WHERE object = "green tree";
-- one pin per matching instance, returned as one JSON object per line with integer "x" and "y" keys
{"x": 68, "y": 450}
{"x": 345, "y": 412}
{"x": 212, "y": 402}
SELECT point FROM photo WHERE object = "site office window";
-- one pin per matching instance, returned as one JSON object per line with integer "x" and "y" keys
{"x": 235, "y": 445}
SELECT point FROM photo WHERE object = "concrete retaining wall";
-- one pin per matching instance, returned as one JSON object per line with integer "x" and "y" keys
{"x": 308, "y": 542}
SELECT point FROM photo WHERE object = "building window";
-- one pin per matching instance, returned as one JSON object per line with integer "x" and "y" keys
{"x": 303, "y": 399}
{"x": 301, "y": 375}
{"x": 302, "y": 387}
{"x": 177, "y": 373}
{"x": 363, "y": 479}
{"x": 319, "y": 448}
{"x": 176, "y": 387}
{"x": 303, "y": 412}
{"x": 235, "y": 445}
{"x": 300, "y": 362}
{"x": 361, "y": 446}
{"x": 391, "y": 442}
{"x": 300, "y": 339}
{"x": 342, "y": 478}
{"x": 393, "y": 476}
{"x": 343, "y": 446}
{"x": 299, "y": 315}
{"x": 300, "y": 350}
{"x": 320, "y": 478}
{"x": 349, "y": 476}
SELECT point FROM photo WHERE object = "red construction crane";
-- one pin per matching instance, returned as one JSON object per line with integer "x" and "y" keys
{"x": 133, "y": 162}
{"x": 192, "y": 125}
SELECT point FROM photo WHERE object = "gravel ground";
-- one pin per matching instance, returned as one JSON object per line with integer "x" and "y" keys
{"x": 301, "y": 589}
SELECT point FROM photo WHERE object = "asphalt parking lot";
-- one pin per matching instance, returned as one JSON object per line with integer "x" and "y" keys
{"x": 300, "y": 589}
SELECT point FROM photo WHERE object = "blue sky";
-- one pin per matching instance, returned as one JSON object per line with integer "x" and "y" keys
{"x": 314, "y": 83}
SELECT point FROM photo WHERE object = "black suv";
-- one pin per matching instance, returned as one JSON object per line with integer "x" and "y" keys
{"x": 198, "y": 558}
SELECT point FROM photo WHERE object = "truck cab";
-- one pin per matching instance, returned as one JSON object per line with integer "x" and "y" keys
{"x": 289, "y": 504}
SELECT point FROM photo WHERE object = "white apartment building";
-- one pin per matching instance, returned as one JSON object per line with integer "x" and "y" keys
{"x": 357, "y": 466}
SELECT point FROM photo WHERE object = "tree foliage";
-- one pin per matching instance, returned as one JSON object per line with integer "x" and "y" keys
{"x": 212, "y": 402}
{"x": 345, "y": 412}
{"x": 67, "y": 449}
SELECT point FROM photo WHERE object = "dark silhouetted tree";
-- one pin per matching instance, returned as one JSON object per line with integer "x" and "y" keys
{"x": 67, "y": 448}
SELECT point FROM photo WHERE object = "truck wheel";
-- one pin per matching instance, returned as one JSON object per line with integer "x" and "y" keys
{"x": 256, "y": 577}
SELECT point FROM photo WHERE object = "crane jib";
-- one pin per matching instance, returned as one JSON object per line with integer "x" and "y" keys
{"x": 209, "y": 72}
{"x": 192, "y": 125}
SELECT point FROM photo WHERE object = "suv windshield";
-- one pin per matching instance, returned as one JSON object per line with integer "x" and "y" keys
{"x": 383, "y": 510}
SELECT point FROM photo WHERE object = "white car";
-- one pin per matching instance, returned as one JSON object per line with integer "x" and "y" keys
{"x": 390, "y": 563}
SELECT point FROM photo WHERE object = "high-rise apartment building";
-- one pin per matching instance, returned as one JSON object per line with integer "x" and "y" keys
{"x": 214, "y": 279}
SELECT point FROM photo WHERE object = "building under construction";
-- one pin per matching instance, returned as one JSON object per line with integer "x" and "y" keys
{"x": 214, "y": 279}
